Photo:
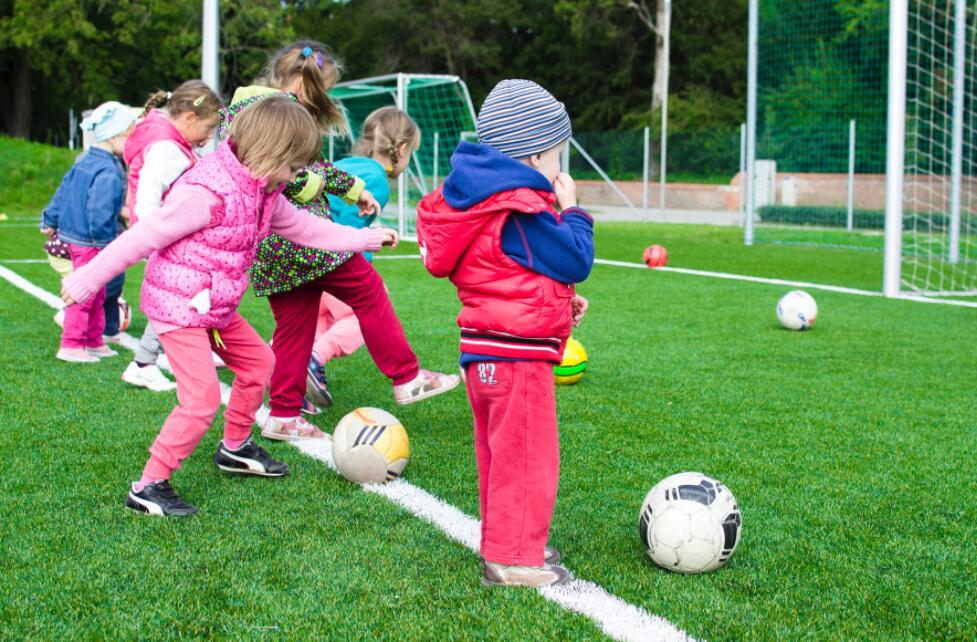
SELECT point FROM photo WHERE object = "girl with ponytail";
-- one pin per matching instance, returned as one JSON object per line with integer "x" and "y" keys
{"x": 293, "y": 277}
{"x": 159, "y": 151}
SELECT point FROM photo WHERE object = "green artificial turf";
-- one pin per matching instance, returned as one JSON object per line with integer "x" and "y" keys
{"x": 850, "y": 449}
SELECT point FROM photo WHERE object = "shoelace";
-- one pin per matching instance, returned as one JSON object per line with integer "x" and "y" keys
{"x": 165, "y": 490}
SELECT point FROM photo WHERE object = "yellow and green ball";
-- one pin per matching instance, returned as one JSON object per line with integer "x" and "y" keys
{"x": 574, "y": 363}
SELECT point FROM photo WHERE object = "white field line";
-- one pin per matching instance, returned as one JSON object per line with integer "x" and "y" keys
{"x": 758, "y": 279}
{"x": 715, "y": 275}
{"x": 612, "y": 615}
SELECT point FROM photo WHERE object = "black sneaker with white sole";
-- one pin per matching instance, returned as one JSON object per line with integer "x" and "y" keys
{"x": 249, "y": 459}
{"x": 159, "y": 498}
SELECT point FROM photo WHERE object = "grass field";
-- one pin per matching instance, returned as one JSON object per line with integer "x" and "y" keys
{"x": 850, "y": 449}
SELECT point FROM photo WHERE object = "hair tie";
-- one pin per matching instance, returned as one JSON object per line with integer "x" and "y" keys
{"x": 199, "y": 100}
{"x": 319, "y": 60}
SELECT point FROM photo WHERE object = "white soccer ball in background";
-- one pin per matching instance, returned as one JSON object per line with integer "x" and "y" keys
{"x": 689, "y": 523}
{"x": 797, "y": 310}
{"x": 370, "y": 446}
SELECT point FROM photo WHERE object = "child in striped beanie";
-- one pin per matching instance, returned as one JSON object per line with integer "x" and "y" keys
{"x": 506, "y": 229}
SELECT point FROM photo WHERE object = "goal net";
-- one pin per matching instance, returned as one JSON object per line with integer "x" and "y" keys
{"x": 441, "y": 107}
{"x": 939, "y": 197}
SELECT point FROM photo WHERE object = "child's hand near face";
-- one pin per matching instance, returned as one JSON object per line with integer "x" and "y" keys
{"x": 566, "y": 191}
{"x": 579, "y": 307}
{"x": 367, "y": 204}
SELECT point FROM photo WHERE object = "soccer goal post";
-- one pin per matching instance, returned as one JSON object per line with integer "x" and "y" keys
{"x": 931, "y": 197}
{"x": 442, "y": 108}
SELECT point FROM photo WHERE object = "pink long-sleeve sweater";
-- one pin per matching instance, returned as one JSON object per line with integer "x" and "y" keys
{"x": 188, "y": 209}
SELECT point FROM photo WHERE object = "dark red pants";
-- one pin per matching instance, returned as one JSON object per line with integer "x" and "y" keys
{"x": 517, "y": 448}
{"x": 357, "y": 284}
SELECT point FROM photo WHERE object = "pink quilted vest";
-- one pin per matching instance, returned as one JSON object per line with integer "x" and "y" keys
{"x": 217, "y": 257}
{"x": 152, "y": 129}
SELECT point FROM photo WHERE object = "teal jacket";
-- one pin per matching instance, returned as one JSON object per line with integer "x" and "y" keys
{"x": 375, "y": 177}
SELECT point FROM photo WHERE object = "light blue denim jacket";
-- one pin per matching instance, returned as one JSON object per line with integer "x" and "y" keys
{"x": 85, "y": 208}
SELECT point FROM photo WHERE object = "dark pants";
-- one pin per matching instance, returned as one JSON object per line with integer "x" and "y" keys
{"x": 113, "y": 290}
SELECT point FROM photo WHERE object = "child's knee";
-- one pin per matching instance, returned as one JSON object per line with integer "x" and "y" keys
{"x": 203, "y": 401}
{"x": 263, "y": 365}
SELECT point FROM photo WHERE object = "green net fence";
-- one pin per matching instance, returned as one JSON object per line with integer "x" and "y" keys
{"x": 821, "y": 114}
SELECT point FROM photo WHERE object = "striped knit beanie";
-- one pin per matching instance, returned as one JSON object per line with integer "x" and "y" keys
{"x": 519, "y": 118}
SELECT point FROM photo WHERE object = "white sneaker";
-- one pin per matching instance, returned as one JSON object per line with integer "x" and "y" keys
{"x": 102, "y": 352}
{"x": 150, "y": 377}
{"x": 76, "y": 355}
{"x": 425, "y": 384}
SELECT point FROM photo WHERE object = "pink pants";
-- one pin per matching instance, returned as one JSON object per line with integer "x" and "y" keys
{"x": 198, "y": 389}
{"x": 84, "y": 322}
{"x": 517, "y": 448}
{"x": 357, "y": 284}
{"x": 337, "y": 331}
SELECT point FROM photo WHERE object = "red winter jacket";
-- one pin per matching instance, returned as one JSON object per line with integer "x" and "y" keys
{"x": 507, "y": 310}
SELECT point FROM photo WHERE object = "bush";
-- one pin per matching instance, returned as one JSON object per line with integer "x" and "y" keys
{"x": 838, "y": 217}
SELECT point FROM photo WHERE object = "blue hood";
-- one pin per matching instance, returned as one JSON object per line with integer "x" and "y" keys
{"x": 480, "y": 171}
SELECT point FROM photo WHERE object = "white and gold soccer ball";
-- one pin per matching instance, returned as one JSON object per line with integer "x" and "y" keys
{"x": 370, "y": 446}
{"x": 689, "y": 523}
{"x": 797, "y": 310}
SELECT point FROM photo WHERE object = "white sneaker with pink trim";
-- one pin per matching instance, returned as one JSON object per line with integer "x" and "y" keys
{"x": 290, "y": 429}
{"x": 425, "y": 384}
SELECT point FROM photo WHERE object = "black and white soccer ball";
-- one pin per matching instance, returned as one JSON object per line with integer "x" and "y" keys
{"x": 690, "y": 523}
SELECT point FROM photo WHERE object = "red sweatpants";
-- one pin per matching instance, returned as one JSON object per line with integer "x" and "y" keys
{"x": 517, "y": 448}
{"x": 198, "y": 389}
{"x": 357, "y": 284}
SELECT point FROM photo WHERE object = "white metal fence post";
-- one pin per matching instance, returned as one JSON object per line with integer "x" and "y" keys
{"x": 664, "y": 143}
{"x": 402, "y": 179}
{"x": 644, "y": 173}
{"x": 851, "y": 175}
{"x": 434, "y": 181}
{"x": 210, "y": 53}
{"x": 751, "y": 68}
{"x": 956, "y": 168}
{"x": 896, "y": 147}
{"x": 742, "y": 182}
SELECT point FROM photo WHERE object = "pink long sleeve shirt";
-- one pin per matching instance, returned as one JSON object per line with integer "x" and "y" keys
{"x": 188, "y": 209}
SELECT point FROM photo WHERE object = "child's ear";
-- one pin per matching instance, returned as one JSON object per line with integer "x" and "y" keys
{"x": 402, "y": 150}
{"x": 534, "y": 160}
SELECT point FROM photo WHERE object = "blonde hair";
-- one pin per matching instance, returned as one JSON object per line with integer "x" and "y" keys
{"x": 193, "y": 95}
{"x": 320, "y": 70}
{"x": 272, "y": 133}
{"x": 385, "y": 130}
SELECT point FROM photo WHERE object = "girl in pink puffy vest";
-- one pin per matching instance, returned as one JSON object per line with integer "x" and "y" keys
{"x": 200, "y": 244}
{"x": 159, "y": 150}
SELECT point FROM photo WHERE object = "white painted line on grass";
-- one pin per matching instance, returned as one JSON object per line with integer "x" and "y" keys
{"x": 760, "y": 279}
{"x": 615, "y": 617}
{"x": 792, "y": 284}
{"x": 24, "y": 261}
{"x": 28, "y": 287}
